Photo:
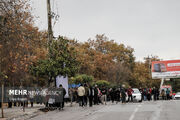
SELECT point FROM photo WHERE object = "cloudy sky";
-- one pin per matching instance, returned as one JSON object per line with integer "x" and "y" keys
{"x": 151, "y": 27}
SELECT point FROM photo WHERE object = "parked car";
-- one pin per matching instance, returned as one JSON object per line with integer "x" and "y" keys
{"x": 137, "y": 96}
{"x": 177, "y": 96}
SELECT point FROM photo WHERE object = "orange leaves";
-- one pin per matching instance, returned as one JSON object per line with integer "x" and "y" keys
{"x": 21, "y": 43}
{"x": 99, "y": 56}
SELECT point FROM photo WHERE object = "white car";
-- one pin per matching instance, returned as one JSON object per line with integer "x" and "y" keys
{"x": 137, "y": 96}
{"x": 177, "y": 96}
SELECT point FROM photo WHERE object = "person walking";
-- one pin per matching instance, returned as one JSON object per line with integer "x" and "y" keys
{"x": 117, "y": 95}
{"x": 51, "y": 99}
{"x": 99, "y": 96}
{"x": 60, "y": 97}
{"x": 112, "y": 94}
{"x": 123, "y": 95}
{"x": 167, "y": 94}
{"x": 149, "y": 94}
{"x": 91, "y": 96}
{"x": 31, "y": 98}
{"x": 141, "y": 91}
{"x": 145, "y": 94}
{"x": 86, "y": 94}
{"x": 81, "y": 93}
{"x": 154, "y": 93}
{"x": 163, "y": 94}
{"x": 104, "y": 95}
{"x": 129, "y": 92}
{"x": 96, "y": 95}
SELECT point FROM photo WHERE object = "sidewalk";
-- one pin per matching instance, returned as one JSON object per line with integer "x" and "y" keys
{"x": 16, "y": 113}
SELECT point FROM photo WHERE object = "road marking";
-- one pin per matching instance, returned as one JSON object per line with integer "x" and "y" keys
{"x": 157, "y": 112}
{"x": 133, "y": 114}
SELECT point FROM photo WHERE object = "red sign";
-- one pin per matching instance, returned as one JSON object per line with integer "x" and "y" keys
{"x": 166, "y": 69}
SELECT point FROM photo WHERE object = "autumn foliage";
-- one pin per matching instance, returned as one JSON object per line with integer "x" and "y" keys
{"x": 25, "y": 58}
{"x": 21, "y": 42}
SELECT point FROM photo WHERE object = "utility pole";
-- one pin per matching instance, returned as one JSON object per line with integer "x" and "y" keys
{"x": 50, "y": 32}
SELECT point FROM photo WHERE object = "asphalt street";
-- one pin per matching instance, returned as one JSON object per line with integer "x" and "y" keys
{"x": 153, "y": 110}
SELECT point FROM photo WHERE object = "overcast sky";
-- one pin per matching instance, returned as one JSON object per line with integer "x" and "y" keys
{"x": 151, "y": 27}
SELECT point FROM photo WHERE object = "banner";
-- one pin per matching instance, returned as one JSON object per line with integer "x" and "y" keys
{"x": 166, "y": 69}
{"x": 32, "y": 94}
{"x": 64, "y": 81}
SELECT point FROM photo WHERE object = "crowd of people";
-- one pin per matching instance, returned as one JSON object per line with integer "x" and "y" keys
{"x": 100, "y": 95}
{"x": 155, "y": 94}
{"x": 94, "y": 95}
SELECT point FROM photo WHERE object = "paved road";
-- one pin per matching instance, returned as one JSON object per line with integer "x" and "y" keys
{"x": 159, "y": 110}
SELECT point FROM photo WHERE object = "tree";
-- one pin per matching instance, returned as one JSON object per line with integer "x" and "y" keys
{"x": 142, "y": 73}
{"x": 102, "y": 83}
{"x": 119, "y": 74}
{"x": 82, "y": 79}
{"x": 61, "y": 61}
{"x": 19, "y": 41}
{"x": 100, "y": 55}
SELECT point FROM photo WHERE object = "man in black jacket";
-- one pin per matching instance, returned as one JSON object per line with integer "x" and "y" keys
{"x": 123, "y": 94}
{"x": 91, "y": 96}
{"x": 96, "y": 95}
{"x": 60, "y": 99}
